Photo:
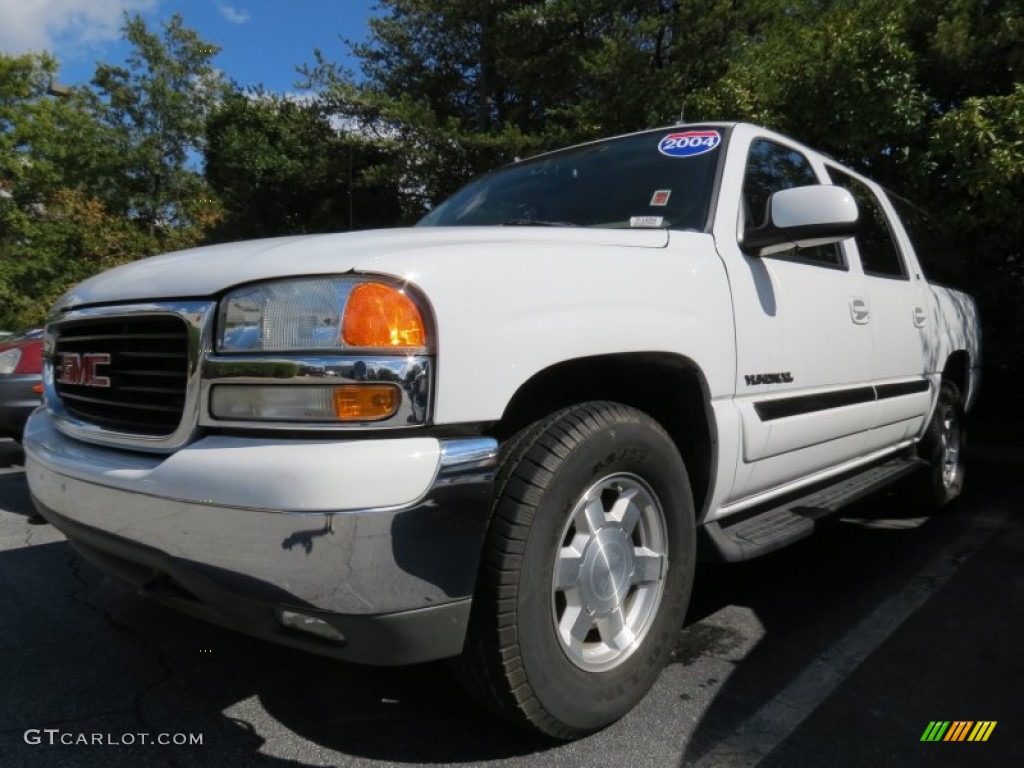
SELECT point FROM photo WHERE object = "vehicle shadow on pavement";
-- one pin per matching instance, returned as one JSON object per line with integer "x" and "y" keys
{"x": 85, "y": 655}
{"x": 11, "y": 454}
{"x": 814, "y": 603}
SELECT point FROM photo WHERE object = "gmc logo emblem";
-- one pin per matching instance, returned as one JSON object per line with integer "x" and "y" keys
{"x": 80, "y": 370}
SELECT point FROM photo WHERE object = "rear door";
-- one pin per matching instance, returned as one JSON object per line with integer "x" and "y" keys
{"x": 902, "y": 316}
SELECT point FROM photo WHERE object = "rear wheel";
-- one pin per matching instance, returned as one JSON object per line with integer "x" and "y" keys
{"x": 587, "y": 570}
{"x": 943, "y": 447}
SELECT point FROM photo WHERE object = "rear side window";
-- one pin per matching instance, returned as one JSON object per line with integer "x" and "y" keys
{"x": 772, "y": 167}
{"x": 879, "y": 255}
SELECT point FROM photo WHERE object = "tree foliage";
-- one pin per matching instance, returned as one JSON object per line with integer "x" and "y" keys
{"x": 98, "y": 175}
{"x": 457, "y": 87}
{"x": 923, "y": 95}
{"x": 279, "y": 166}
{"x": 157, "y": 106}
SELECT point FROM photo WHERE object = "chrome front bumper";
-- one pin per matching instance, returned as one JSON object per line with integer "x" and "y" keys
{"x": 236, "y": 530}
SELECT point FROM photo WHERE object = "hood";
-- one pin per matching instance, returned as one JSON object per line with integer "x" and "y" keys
{"x": 203, "y": 272}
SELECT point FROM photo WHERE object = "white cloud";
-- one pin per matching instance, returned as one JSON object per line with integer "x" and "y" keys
{"x": 232, "y": 14}
{"x": 36, "y": 25}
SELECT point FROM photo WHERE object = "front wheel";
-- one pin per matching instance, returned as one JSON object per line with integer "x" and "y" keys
{"x": 586, "y": 573}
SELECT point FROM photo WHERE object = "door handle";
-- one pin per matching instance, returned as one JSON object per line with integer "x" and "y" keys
{"x": 859, "y": 311}
{"x": 920, "y": 318}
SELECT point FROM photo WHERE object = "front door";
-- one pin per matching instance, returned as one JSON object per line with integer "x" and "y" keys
{"x": 804, "y": 341}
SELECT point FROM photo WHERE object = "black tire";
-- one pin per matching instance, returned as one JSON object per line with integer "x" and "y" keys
{"x": 606, "y": 481}
{"x": 943, "y": 447}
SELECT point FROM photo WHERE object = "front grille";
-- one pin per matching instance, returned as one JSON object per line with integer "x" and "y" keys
{"x": 142, "y": 389}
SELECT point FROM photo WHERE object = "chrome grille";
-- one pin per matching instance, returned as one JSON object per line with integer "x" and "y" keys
{"x": 147, "y": 371}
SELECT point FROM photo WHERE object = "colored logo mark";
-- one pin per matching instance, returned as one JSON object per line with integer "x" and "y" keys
{"x": 958, "y": 730}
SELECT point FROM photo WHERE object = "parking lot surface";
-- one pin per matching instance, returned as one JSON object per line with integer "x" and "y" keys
{"x": 836, "y": 652}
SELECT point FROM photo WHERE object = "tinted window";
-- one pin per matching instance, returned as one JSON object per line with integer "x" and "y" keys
{"x": 878, "y": 252}
{"x": 770, "y": 168}
{"x": 619, "y": 183}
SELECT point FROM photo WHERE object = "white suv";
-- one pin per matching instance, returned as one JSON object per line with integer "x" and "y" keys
{"x": 500, "y": 435}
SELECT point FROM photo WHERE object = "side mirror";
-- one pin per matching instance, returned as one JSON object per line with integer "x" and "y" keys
{"x": 805, "y": 217}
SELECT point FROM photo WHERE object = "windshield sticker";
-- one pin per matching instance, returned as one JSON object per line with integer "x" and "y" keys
{"x": 660, "y": 197}
{"x": 689, "y": 143}
{"x": 646, "y": 221}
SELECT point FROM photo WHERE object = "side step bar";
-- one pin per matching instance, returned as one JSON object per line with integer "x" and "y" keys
{"x": 762, "y": 530}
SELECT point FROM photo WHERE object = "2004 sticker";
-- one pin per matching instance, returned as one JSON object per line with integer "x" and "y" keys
{"x": 689, "y": 143}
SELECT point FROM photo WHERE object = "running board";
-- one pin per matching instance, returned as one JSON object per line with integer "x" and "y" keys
{"x": 762, "y": 530}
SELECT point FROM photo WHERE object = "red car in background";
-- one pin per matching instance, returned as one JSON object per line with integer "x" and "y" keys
{"x": 21, "y": 381}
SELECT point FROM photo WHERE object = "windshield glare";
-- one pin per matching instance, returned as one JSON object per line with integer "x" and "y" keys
{"x": 648, "y": 180}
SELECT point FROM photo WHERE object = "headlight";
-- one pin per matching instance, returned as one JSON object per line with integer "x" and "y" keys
{"x": 329, "y": 313}
{"x": 9, "y": 360}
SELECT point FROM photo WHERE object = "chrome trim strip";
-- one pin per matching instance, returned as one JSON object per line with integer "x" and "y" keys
{"x": 468, "y": 453}
{"x": 198, "y": 318}
{"x": 413, "y": 374}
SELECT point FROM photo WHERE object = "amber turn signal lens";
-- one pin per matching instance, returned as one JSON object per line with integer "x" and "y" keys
{"x": 37, "y": 388}
{"x": 379, "y": 315}
{"x": 365, "y": 402}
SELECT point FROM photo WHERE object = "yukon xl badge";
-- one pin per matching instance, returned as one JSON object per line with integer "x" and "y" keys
{"x": 80, "y": 370}
{"x": 753, "y": 379}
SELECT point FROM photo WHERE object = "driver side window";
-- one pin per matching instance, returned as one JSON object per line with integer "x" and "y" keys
{"x": 771, "y": 167}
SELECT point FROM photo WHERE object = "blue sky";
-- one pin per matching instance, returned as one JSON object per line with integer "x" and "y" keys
{"x": 262, "y": 41}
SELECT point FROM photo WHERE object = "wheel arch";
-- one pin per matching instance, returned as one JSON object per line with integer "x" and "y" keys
{"x": 957, "y": 370}
{"x": 669, "y": 387}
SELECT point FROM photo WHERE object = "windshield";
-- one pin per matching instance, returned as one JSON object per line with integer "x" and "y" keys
{"x": 658, "y": 179}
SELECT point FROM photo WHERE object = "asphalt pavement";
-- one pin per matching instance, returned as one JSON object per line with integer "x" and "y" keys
{"x": 838, "y": 651}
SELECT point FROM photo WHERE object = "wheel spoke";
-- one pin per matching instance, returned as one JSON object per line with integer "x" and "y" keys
{"x": 625, "y": 511}
{"x": 576, "y": 623}
{"x": 648, "y": 566}
{"x": 567, "y": 568}
{"x": 614, "y": 631}
{"x": 592, "y": 517}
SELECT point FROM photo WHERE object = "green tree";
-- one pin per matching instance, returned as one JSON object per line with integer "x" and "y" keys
{"x": 95, "y": 176}
{"x": 55, "y": 159}
{"x": 281, "y": 167}
{"x": 49, "y": 139}
{"x": 975, "y": 177}
{"x": 840, "y": 76}
{"x": 457, "y": 87}
{"x": 158, "y": 105}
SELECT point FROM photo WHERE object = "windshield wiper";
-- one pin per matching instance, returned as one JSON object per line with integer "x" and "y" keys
{"x": 536, "y": 223}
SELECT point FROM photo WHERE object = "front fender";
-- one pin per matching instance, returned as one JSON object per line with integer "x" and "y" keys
{"x": 505, "y": 315}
